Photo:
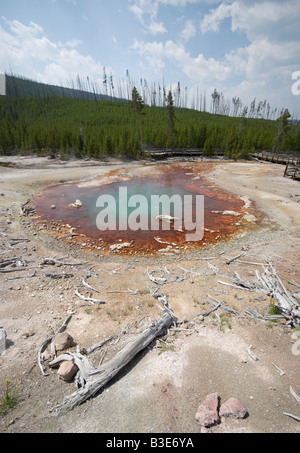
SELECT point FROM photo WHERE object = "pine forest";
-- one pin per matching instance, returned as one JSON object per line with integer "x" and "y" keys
{"x": 83, "y": 123}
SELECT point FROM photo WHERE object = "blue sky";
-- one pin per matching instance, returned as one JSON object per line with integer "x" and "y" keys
{"x": 243, "y": 48}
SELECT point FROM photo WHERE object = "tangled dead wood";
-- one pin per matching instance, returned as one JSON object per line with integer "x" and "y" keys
{"x": 92, "y": 378}
{"x": 270, "y": 284}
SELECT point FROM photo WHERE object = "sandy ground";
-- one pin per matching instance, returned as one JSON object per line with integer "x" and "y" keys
{"x": 161, "y": 389}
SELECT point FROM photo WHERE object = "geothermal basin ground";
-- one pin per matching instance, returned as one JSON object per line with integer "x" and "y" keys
{"x": 160, "y": 390}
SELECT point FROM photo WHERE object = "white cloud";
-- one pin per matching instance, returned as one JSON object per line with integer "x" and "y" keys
{"x": 272, "y": 30}
{"x": 156, "y": 28}
{"x": 265, "y": 18}
{"x": 153, "y": 52}
{"x": 72, "y": 43}
{"x": 146, "y": 12}
{"x": 159, "y": 54}
{"x": 25, "y": 48}
{"x": 189, "y": 31}
{"x": 268, "y": 18}
{"x": 212, "y": 21}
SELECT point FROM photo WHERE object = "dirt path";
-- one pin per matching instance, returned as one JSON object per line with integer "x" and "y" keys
{"x": 161, "y": 390}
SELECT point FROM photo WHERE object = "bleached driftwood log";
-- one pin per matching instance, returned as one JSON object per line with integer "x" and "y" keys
{"x": 94, "y": 378}
{"x": 89, "y": 299}
{"x": 235, "y": 258}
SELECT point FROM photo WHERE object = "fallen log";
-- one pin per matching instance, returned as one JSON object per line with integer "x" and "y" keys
{"x": 89, "y": 299}
{"x": 292, "y": 416}
{"x": 58, "y": 276}
{"x": 84, "y": 282}
{"x": 58, "y": 261}
{"x": 251, "y": 353}
{"x": 94, "y": 378}
{"x": 235, "y": 258}
{"x": 22, "y": 276}
{"x": 282, "y": 373}
{"x": 295, "y": 394}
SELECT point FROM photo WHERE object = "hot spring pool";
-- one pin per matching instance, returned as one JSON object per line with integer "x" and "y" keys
{"x": 143, "y": 209}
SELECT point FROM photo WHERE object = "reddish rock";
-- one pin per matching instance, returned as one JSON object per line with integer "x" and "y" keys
{"x": 233, "y": 408}
{"x": 207, "y": 414}
{"x": 67, "y": 370}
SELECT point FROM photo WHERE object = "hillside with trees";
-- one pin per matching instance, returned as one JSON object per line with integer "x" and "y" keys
{"x": 90, "y": 124}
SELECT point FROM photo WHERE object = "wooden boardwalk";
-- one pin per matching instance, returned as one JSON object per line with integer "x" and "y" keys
{"x": 277, "y": 158}
{"x": 168, "y": 152}
{"x": 290, "y": 160}
{"x": 292, "y": 170}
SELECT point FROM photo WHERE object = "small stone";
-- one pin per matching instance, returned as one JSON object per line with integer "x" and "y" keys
{"x": 53, "y": 206}
{"x": 207, "y": 414}
{"x": 233, "y": 408}
{"x": 67, "y": 370}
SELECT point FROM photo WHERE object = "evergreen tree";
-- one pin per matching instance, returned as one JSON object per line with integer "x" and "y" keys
{"x": 171, "y": 118}
{"x": 137, "y": 105}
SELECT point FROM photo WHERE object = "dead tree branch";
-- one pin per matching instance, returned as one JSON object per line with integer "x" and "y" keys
{"x": 89, "y": 299}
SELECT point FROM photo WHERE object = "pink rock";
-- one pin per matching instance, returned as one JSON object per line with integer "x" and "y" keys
{"x": 67, "y": 370}
{"x": 207, "y": 414}
{"x": 233, "y": 408}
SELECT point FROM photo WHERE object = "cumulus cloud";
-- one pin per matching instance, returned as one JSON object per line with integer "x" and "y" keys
{"x": 212, "y": 21}
{"x": 262, "y": 67}
{"x": 197, "y": 69}
{"x": 27, "y": 47}
{"x": 189, "y": 31}
{"x": 146, "y": 12}
{"x": 271, "y": 27}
